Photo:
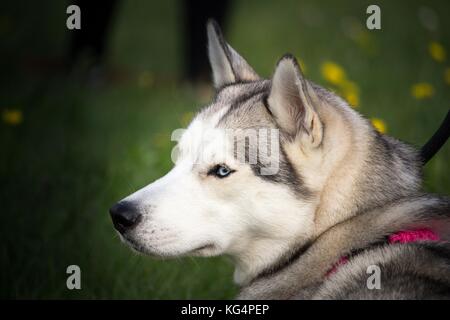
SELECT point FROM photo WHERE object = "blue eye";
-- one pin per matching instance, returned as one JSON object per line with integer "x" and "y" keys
{"x": 223, "y": 171}
{"x": 220, "y": 171}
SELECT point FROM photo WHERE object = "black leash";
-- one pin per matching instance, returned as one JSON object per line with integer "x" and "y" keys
{"x": 436, "y": 141}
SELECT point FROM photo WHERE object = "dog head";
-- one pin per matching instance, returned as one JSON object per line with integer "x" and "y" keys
{"x": 249, "y": 169}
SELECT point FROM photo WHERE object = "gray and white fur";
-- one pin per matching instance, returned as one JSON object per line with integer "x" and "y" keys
{"x": 340, "y": 188}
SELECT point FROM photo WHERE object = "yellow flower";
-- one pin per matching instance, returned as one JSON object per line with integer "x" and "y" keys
{"x": 437, "y": 51}
{"x": 352, "y": 99}
{"x": 332, "y": 72}
{"x": 379, "y": 125}
{"x": 422, "y": 90}
{"x": 335, "y": 74}
{"x": 12, "y": 117}
{"x": 145, "y": 79}
{"x": 447, "y": 76}
{"x": 350, "y": 91}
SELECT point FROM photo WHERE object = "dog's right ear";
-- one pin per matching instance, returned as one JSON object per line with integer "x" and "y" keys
{"x": 227, "y": 65}
{"x": 293, "y": 102}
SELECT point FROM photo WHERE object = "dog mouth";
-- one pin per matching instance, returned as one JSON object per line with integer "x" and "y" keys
{"x": 154, "y": 252}
{"x": 133, "y": 244}
{"x": 205, "y": 247}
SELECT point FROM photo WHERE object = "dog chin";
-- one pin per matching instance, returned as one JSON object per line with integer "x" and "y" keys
{"x": 205, "y": 250}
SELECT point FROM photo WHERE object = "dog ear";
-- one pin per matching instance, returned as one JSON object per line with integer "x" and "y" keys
{"x": 227, "y": 65}
{"x": 293, "y": 102}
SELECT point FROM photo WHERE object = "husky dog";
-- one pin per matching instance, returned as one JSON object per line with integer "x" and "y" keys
{"x": 339, "y": 190}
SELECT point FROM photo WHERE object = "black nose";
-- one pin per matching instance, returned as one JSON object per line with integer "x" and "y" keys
{"x": 125, "y": 216}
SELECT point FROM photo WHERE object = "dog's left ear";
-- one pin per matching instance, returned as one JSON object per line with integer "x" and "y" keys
{"x": 293, "y": 103}
{"x": 227, "y": 65}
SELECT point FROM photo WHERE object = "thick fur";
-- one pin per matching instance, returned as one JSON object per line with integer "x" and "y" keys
{"x": 339, "y": 187}
{"x": 408, "y": 271}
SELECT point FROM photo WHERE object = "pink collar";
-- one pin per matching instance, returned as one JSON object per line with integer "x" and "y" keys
{"x": 405, "y": 236}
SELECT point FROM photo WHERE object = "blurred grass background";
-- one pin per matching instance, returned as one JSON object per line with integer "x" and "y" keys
{"x": 77, "y": 148}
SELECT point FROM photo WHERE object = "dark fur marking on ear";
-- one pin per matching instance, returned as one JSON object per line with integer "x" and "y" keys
{"x": 266, "y": 104}
{"x": 293, "y": 59}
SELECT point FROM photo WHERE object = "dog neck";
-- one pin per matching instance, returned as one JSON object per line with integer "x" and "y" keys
{"x": 266, "y": 256}
{"x": 349, "y": 184}
{"x": 310, "y": 267}
{"x": 366, "y": 170}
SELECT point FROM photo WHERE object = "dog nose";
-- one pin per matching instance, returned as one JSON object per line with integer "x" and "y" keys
{"x": 125, "y": 216}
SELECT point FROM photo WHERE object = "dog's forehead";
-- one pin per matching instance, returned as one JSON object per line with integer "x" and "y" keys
{"x": 236, "y": 106}
{"x": 236, "y": 92}
{"x": 203, "y": 139}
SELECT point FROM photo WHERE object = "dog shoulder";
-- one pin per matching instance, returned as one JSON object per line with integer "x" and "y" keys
{"x": 400, "y": 271}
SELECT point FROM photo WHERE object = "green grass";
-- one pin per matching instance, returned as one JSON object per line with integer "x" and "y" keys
{"x": 80, "y": 149}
